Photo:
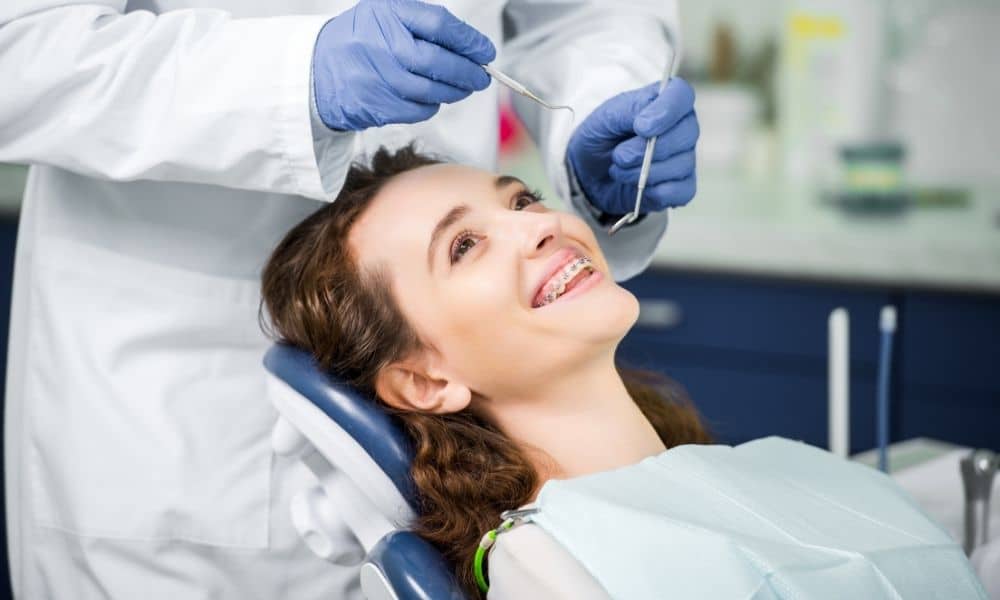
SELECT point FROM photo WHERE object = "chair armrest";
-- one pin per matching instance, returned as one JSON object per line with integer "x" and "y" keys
{"x": 412, "y": 568}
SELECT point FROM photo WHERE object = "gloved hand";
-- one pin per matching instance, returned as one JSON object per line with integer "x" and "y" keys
{"x": 395, "y": 61}
{"x": 606, "y": 149}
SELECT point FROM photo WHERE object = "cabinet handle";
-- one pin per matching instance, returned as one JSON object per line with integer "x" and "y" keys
{"x": 659, "y": 314}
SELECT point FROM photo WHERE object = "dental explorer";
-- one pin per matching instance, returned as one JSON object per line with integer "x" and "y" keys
{"x": 647, "y": 159}
{"x": 514, "y": 85}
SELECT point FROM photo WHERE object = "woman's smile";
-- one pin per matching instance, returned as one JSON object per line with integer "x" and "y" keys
{"x": 584, "y": 281}
{"x": 567, "y": 270}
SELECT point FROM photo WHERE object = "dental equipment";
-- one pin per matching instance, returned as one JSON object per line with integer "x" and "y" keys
{"x": 887, "y": 325}
{"x": 839, "y": 383}
{"x": 647, "y": 159}
{"x": 978, "y": 470}
{"x": 514, "y": 85}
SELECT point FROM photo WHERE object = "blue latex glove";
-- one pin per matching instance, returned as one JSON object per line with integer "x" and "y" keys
{"x": 395, "y": 61}
{"x": 606, "y": 149}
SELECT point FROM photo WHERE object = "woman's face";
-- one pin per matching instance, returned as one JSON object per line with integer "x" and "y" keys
{"x": 507, "y": 293}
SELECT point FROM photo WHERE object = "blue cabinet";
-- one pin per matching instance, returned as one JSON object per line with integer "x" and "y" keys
{"x": 8, "y": 241}
{"x": 757, "y": 316}
{"x": 950, "y": 368}
{"x": 752, "y": 354}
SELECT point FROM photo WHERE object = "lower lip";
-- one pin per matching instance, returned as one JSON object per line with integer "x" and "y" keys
{"x": 595, "y": 278}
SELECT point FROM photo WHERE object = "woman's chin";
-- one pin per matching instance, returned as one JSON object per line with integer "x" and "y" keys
{"x": 605, "y": 309}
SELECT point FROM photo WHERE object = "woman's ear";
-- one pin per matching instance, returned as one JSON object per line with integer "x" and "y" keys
{"x": 411, "y": 386}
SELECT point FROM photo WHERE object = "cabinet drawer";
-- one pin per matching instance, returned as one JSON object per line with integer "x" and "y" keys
{"x": 754, "y": 316}
{"x": 743, "y": 404}
{"x": 967, "y": 417}
{"x": 951, "y": 341}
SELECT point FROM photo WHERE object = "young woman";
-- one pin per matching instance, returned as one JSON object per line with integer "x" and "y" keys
{"x": 489, "y": 324}
{"x": 486, "y": 321}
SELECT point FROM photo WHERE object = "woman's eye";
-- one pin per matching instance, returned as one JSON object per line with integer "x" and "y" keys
{"x": 467, "y": 240}
{"x": 525, "y": 199}
{"x": 462, "y": 244}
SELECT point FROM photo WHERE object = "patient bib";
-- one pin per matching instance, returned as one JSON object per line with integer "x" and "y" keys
{"x": 764, "y": 520}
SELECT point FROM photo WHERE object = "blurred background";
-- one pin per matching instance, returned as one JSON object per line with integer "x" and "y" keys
{"x": 848, "y": 159}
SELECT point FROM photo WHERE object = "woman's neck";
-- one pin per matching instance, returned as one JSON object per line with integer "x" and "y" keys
{"x": 582, "y": 423}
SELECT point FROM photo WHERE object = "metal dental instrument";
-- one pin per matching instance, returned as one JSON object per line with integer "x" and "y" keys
{"x": 520, "y": 89}
{"x": 978, "y": 470}
{"x": 647, "y": 160}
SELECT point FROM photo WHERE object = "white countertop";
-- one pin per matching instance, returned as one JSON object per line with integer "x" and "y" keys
{"x": 780, "y": 229}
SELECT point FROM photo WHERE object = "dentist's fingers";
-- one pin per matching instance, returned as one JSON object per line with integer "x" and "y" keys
{"x": 430, "y": 60}
{"x": 405, "y": 111}
{"x": 435, "y": 24}
{"x": 406, "y": 84}
{"x": 673, "y": 168}
{"x": 434, "y": 62}
{"x": 612, "y": 121}
{"x": 680, "y": 138}
{"x": 423, "y": 89}
{"x": 676, "y": 101}
{"x": 670, "y": 193}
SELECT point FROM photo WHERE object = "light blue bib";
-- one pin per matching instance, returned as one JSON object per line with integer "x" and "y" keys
{"x": 764, "y": 520}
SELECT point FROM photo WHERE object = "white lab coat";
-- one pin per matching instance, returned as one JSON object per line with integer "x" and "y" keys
{"x": 171, "y": 148}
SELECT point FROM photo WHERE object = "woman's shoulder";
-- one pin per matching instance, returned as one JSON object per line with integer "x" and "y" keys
{"x": 527, "y": 562}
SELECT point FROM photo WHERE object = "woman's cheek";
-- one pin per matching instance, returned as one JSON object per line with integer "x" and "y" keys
{"x": 492, "y": 292}
{"x": 577, "y": 228}
{"x": 464, "y": 310}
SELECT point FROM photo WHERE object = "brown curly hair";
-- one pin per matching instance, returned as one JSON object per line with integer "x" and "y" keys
{"x": 465, "y": 469}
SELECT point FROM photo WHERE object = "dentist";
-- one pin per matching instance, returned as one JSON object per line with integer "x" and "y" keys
{"x": 172, "y": 144}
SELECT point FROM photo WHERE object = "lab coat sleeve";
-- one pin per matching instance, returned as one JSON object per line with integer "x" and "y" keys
{"x": 581, "y": 54}
{"x": 190, "y": 95}
{"x": 333, "y": 149}
{"x": 526, "y": 562}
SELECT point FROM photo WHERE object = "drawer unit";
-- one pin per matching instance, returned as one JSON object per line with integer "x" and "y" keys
{"x": 753, "y": 355}
{"x": 950, "y": 369}
{"x": 754, "y": 316}
{"x": 951, "y": 340}
{"x": 741, "y": 402}
{"x": 8, "y": 238}
{"x": 8, "y": 241}
{"x": 968, "y": 417}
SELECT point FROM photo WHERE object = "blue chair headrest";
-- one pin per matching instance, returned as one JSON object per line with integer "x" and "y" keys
{"x": 378, "y": 433}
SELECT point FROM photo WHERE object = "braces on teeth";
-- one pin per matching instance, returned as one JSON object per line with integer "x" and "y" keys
{"x": 569, "y": 272}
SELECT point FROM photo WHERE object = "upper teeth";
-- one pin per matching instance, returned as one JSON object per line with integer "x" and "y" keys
{"x": 557, "y": 283}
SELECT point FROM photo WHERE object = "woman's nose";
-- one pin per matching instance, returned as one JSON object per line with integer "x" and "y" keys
{"x": 543, "y": 233}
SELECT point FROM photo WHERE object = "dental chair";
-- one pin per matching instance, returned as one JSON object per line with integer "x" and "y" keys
{"x": 357, "y": 511}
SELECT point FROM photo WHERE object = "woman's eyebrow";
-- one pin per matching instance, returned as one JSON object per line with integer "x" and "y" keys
{"x": 457, "y": 212}
{"x": 505, "y": 180}
{"x": 449, "y": 219}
